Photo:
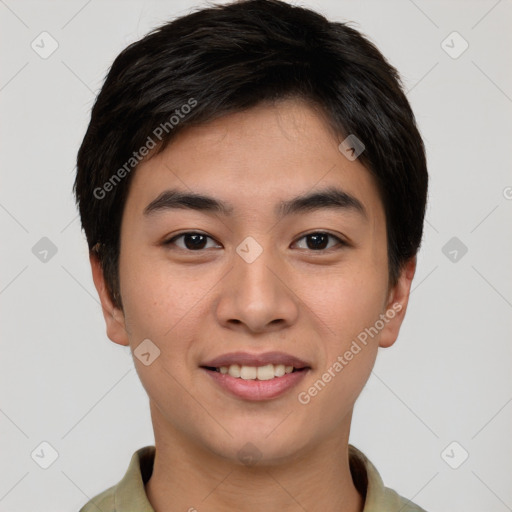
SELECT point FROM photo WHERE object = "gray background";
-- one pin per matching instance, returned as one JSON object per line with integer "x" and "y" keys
{"x": 447, "y": 379}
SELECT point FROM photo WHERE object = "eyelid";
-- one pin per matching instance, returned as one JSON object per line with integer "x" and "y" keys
{"x": 342, "y": 242}
{"x": 170, "y": 241}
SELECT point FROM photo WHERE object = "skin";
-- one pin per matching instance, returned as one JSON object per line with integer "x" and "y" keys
{"x": 198, "y": 304}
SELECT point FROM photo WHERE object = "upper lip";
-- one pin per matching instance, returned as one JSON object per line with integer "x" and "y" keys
{"x": 247, "y": 359}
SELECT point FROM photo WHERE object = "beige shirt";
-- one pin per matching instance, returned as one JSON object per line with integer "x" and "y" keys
{"x": 129, "y": 494}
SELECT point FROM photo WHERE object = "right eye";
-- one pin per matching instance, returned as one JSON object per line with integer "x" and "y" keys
{"x": 192, "y": 241}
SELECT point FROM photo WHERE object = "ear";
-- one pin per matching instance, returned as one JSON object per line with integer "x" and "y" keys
{"x": 396, "y": 306}
{"x": 114, "y": 317}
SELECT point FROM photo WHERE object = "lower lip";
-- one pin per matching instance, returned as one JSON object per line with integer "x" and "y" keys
{"x": 257, "y": 389}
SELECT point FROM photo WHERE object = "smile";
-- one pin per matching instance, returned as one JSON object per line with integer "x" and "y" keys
{"x": 267, "y": 372}
{"x": 260, "y": 376}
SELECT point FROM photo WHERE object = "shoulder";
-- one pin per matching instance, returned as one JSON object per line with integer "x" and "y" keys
{"x": 129, "y": 493}
{"x": 369, "y": 483}
{"x": 391, "y": 500}
{"x": 105, "y": 501}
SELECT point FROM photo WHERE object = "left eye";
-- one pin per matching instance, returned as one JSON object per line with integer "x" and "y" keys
{"x": 319, "y": 240}
{"x": 193, "y": 241}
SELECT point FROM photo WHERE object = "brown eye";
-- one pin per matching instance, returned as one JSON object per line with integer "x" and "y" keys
{"x": 192, "y": 241}
{"x": 319, "y": 241}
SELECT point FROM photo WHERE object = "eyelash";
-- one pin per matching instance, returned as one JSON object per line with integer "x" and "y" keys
{"x": 341, "y": 243}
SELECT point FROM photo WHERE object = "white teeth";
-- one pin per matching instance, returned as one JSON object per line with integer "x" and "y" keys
{"x": 248, "y": 372}
{"x": 280, "y": 370}
{"x": 266, "y": 372}
{"x": 234, "y": 370}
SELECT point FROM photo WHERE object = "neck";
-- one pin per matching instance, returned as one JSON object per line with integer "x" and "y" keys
{"x": 188, "y": 477}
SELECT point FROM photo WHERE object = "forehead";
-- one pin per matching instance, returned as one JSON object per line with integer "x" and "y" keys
{"x": 250, "y": 159}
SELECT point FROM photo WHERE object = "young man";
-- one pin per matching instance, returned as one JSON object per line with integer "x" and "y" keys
{"x": 252, "y": 186}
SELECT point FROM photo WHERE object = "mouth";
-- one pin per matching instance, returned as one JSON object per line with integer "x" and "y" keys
{"x": 256, "y": 377}
{"x": 266, "y": 372}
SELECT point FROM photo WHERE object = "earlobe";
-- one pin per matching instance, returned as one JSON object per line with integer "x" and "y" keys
{"x": 396, "y": 307}
{"x": 114, "y": 317}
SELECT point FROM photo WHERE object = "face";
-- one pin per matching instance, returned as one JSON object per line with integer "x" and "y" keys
{"x": 282, "y": 262}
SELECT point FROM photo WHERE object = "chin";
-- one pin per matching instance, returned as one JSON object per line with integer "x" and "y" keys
{"x": 265, "y": 443}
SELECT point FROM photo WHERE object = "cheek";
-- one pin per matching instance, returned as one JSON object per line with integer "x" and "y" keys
{"x": 348, "y": 301}
{"x": 349, "y": 307}
{"x": 163, "y": 308}
{"x": 349, "y": 304}
{"x": 166, "y": 306}
{"x": 155, "y": 297}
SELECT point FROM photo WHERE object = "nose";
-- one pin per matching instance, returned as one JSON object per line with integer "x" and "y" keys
{"x": 256, "y": 296}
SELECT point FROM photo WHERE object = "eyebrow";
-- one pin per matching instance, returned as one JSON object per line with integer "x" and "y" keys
{"x": 327, "y": 198}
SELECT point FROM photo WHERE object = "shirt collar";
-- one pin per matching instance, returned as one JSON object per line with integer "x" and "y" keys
{"x": 130, "y": 494}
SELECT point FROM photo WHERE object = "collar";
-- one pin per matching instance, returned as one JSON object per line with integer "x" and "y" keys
{"x": 130, "y": 494}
